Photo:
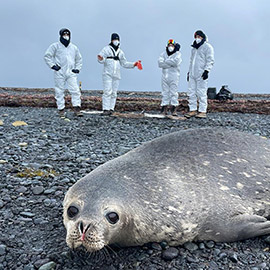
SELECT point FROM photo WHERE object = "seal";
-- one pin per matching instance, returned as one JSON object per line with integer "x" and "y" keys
{"x": 192, "y": 185}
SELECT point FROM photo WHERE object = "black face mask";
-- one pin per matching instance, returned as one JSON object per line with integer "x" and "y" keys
{"x": 198, "y": 45}
{"x": 64, "y": 41}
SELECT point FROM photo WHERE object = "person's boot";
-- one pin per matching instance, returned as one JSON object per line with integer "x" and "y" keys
{"x": 191, "y": 114}
{"x": 174, "y": 110}
{"x": 77, "y": 111}
{"x": 201, "y": 115}
{"x": 106, "y": 112}
{"x": 164, "y": 110}
{"x": 61, "y": 113}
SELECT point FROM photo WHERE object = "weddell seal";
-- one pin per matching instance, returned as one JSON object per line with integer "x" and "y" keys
{"x": 198, "y": 184}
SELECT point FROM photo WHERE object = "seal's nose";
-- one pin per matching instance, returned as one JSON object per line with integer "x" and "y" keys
{"x": 82, "y": 229}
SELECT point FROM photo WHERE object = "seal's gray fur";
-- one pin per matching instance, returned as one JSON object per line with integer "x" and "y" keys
{"x": 198, "y": 184}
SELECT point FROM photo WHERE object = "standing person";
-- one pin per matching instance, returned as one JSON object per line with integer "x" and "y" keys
{"x": 66, "y": 61}
{"x": 112, "y": 57}
{"x": 201, "y": 62}
{"x": 170, "y": 61}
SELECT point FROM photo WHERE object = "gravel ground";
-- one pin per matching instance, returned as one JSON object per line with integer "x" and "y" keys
{"x": 134, "y": 94}
{"x": 40, "y": 161}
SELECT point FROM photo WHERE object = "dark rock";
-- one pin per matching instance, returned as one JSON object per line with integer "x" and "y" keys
{"x": 190, "y": 246}
{"x": 38, "y": 190}
{"x": 233, "y": 257}
{"x": 156, "y": 246}
{"x": 170, "y": 253}
{"x": 2, "y": 250}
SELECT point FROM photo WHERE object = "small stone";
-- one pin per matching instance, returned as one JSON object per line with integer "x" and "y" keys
{"x": 2, "y": 250}
{"x": 201, "y": 246}
{"x": 47, "y": 202}
{"x": 19, "y": 123}
{"x": 48, "y": 266}
{"x": 23, "y": 144}
{"x": 49, "y": 191}
{"x": 233, "y": 257}
{"x": 2, "y": 161}
{"x": 37, "y": 190}
{"x": 156, "y": 246}
{"x": 190, "y": 246}
{"x": 27, "y": 214}
{"x": 142, "y": 257}
{"x": 21, "y": 189}
{"x": 267, "y": 240}
{"x": 1, "y": 204}
{"x": 210, "y": 244}
{"x": 170, "y": 253}
{"x": 262, "y": 265}
{"x": 222, "y": 255}
{"x": 164, "y": 245}
{"x": 1, "y": 122}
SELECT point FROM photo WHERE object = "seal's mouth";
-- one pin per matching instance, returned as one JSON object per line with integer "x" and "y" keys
{"x": 86, "y": 236}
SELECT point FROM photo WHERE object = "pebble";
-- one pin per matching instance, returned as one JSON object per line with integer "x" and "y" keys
{"x": 170, "y": 253}
{"x": 21, "y": 189}
{"x": 48, "y": 266}
{"x": 2, "y": 250}
{"x": 27, "y": 214}
{"x": 210, "y": 244}
{"x": 38, "y": 190}
{"x": 233, "y": 257}
{"x": 156, "y": 246}
{"x": 190, "y": 246}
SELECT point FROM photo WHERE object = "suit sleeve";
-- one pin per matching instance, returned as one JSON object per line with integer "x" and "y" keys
{"x": 49, "y": 55}
{"x": 123, "y": 61}
{"x": 161, "y": 62}
{"x": 104, "y": 54}
{"x": 174, "y": 61}
{"x": 210, "y": 60}
{"x": 78, "y": 60}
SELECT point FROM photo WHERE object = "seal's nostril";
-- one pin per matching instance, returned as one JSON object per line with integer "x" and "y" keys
{"x": 81, "y": 227}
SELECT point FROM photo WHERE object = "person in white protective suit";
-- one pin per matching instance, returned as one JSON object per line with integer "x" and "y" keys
{"x": 66, "y": 61}
{"x": 112, "y": 57}
{"x": 201, "y": 62}
{"x": 170, "y": 61}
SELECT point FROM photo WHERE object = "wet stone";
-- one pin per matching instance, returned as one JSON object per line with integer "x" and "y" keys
{"x": 170, "y": 253}
{"x": 210, "y": 244}
{"x": 156, "y": 246}
{"x": 48, "y": 266}
{"x": 190, "y": 246}
{"x": 38, "y": 190}
{"x": 27, "y": 214}
{"x": 233, "y": 257}
{"x": 2, "y": 250}
{"x": 21, "y": 189}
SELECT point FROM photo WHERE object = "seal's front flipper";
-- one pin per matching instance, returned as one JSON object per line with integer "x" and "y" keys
{"x": 248, "y": 226}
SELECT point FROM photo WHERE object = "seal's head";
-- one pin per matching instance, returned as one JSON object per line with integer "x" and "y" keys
{"x": 91, "y": 220}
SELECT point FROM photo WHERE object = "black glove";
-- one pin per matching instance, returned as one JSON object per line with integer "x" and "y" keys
{"x": 205, "y": 75}
{"x": 56, "y": 67}
{"x": 188, "y": 77}
{"x": 75, "y": 70}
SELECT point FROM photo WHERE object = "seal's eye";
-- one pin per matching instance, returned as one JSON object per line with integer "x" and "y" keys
{"x": 112, "y": 217}
{"x": 72, "y": 211}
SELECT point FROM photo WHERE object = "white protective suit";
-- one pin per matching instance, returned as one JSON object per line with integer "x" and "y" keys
{"x": 111, "y": 75}
{"x": 170, "y": 77}
{"x": 67, "y": 58}
{"x": 201, "y": 59}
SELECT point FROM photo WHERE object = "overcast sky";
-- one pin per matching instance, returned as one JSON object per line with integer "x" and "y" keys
{"x": 239, "y": 31}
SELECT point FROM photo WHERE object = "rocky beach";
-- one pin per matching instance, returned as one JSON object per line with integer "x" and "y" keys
{"x": 42, "y": 156}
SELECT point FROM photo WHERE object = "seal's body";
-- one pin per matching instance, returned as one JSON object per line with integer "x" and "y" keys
{"x": 199, "y": 184}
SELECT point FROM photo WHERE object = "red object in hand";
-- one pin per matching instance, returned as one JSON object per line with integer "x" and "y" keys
{"x": 139, "y": 65}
